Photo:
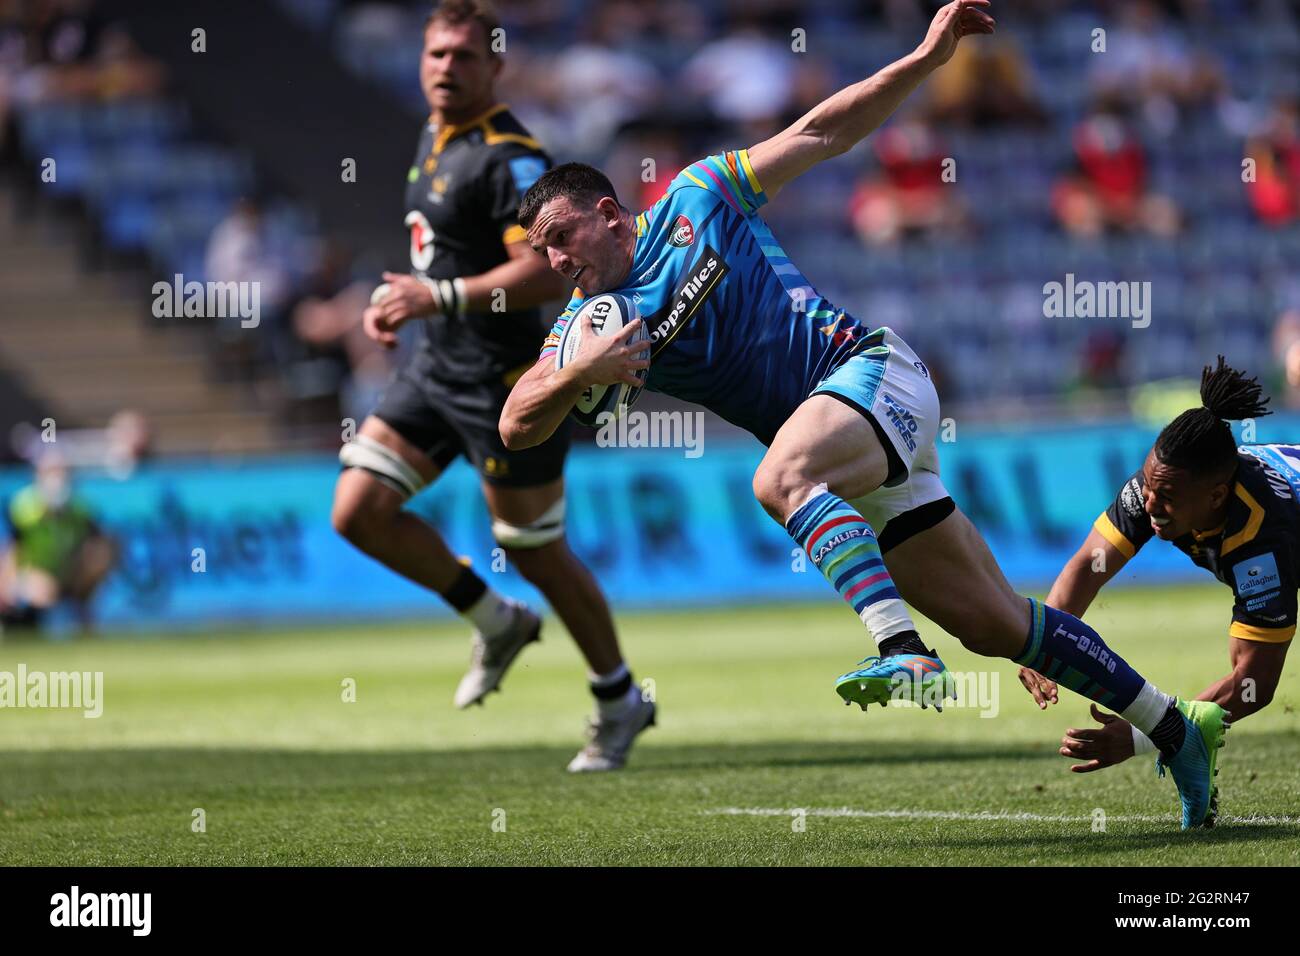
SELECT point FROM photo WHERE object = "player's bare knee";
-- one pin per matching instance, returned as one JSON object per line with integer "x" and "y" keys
{"x": 781, "y": 487}
{"x": 348, "y": 521}
{"x": 359, "y": 520}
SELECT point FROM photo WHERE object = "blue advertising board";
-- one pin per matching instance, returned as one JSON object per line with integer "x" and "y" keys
{"x": 658, "y": 528}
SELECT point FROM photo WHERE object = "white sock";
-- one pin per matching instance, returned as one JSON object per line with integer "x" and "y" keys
{"x": 886, "y": 619}
{"x": 610, "y": 679}
{"x": 492, "y": 614}
{"x": 1142, "y": 743}
{"x": 1147, "y": 708}
{"x": 613, "y": 709}
{"x": 615, "y": 706}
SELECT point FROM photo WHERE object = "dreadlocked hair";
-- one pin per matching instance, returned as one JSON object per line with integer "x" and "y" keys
{"x": 1199, "y": 440}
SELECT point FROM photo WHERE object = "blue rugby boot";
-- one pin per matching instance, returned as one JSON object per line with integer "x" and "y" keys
{"x": 1193, "y": 767}
{"x": 920, "y": 678}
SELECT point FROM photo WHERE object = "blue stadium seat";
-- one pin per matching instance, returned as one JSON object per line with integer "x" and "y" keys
{"x": 45, "y": 127}
{"x": 128, "y": 221}
{"x": 73, "y": 162}
{"x": 137, "y": 121}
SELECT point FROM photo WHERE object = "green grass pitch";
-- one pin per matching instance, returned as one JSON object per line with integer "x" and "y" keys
{"x": 252, "y": 729}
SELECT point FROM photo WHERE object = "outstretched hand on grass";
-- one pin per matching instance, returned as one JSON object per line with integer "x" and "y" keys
{"x": 1104, "y": 746}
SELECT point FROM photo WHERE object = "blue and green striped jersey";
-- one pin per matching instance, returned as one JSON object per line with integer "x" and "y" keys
{"x": 734, "y": 325}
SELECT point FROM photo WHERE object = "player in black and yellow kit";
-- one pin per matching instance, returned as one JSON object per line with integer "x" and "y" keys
{"x": 477, "y": 283}
{"x": 1234, "y": 511}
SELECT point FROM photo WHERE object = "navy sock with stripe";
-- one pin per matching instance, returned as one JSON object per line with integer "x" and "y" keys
{"x": 1064, "y": 649}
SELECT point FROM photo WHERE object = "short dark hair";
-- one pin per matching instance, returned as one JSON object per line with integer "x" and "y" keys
{"x": 1199, "y": 440}
{"x": 577, "y": 182}
{"x": 456, "y": 12}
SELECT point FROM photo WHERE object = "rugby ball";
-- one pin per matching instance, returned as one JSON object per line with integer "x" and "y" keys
{"x": 608, "y": 312}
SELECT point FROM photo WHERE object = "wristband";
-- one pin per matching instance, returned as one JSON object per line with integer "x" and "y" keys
{"x": 449, "y": 296}
{"x": 1141, "y": 743}
{"x": 452, "y": 293}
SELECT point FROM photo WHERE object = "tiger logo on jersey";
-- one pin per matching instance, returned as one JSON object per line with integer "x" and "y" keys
{"x": 683, "y": 233}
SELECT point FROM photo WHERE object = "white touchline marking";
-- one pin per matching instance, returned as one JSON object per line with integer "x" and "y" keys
{"x": 981, "y": 815}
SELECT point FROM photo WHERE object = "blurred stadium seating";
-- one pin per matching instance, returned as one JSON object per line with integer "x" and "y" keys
{"x": 150, "y": 181}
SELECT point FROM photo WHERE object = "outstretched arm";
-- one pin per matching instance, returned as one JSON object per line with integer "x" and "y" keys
{"x": 840, "y": 122}
{"x": 1091, "y": 568}
{"x": 1248, "y": 688}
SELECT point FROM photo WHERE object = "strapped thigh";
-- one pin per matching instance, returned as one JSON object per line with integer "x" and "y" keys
{"x": 385, "y": 464}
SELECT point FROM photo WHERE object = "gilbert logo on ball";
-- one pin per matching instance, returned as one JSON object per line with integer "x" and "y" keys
{"x": 683, "y": 233}
{"x": 608, "y": 313}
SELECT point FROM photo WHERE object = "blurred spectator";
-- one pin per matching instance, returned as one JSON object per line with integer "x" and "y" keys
{"x": 118, "y": 448}
{"x": 1108, "y": 190}
{"x": 70, "y": 52}
{"x": 61, "y": 49}
{"x": 328, "y": 319}
{"x": 984, "y": 85}
{"x": 680, "y": 26}
{"x": 1286, "y": 353}
{"x": 376, "y": 25}
{"x": 1148, "y": 66}
{"x": 644, "y": 162}
{"x": 601, "y": 86}
{"x": 813, "y": 81}
{"x": 1100, "y": 363}
{"x": 57, "y": 552}
{"x": 576, "y": 99}
{"x": 1275, "y": 192}
{"x": 908, "y": 196}
{"x": 746, "y": 78}
{"x": 240, "y": 250}
{"x": 128, "y": 441}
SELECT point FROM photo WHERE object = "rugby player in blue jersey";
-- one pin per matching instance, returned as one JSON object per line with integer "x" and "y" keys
{"x": 849, "y": 415}
{"x": 1234, "y": 511}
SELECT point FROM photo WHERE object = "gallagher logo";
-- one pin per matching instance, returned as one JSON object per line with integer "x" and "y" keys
{"x": 683, "y": 233}
{"x": 1257, "y": 575}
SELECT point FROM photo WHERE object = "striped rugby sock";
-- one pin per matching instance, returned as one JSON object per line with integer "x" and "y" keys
{"x": 1063, "y": 648}
{"x": 844, "y": 548}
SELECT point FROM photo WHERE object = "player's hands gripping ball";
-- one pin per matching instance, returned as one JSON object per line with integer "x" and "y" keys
{"x": 606, "y": 347}
{"x": 610, "y": 359}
